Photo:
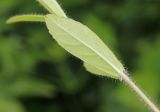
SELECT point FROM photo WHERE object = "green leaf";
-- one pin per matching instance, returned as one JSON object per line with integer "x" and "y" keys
{"x": 102, "y": 28}
{"x": 94, "y": 70}
{"x": 26, "y": 18}
{"x": 53, "y": 7}
{"x": 81, "y": 42}
{"x": 10, "y": 105}
{"x": 28, "y": 87}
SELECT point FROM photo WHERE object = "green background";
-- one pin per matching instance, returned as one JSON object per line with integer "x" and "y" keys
{"x": 36, "y": 75}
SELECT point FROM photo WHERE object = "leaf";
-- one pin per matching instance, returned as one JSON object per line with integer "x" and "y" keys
{"x": 28, "y": 87}
{"x": 94, "y": 70}
{"x": 53, "y": 7}
{"x": 26, "y": 18}
{"x": 103, "y": 29}
{"x": 10, "y": 105}
{"x": 81, "y": 42}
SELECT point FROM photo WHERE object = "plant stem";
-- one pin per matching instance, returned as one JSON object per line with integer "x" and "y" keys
{"x": 138, "y": 91}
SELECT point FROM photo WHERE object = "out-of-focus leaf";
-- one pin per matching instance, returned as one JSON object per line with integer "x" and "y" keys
{"x": 71, "y": 82}
{"x": 30, "y": 87}
{"x": 56, "y": 53}
{"x": 7, "y": 5}
{"x": 13, "y": 58}
{"x": 10, "y": 105}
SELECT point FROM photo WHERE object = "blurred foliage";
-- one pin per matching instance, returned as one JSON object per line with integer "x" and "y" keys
{"x": 36, "y": 75}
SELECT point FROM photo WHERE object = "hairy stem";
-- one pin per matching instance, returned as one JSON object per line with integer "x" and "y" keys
{"x": 26, "y": 18}
{"x": 138, "y": 91}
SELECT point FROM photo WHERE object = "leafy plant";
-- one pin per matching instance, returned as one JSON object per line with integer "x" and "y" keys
{"x": 81, "y": 42}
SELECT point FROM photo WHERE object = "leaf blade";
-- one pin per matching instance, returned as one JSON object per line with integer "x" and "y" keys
{"x": 53, "y": 7}
{"x": 81, "y": 42}
{"x": 97, "y": 71}
{"x": 26, "y": 18}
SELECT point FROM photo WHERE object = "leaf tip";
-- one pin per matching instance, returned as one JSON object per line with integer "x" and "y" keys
{"x": 9, "y": 21}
